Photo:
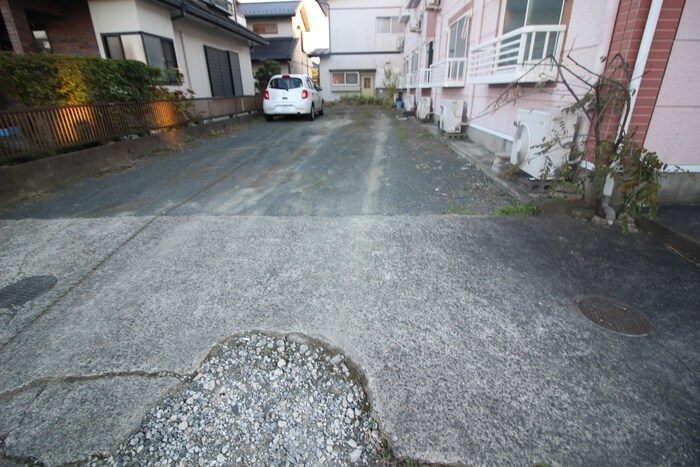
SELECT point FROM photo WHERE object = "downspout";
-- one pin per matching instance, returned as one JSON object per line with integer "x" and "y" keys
{"x": 637, "y": 74}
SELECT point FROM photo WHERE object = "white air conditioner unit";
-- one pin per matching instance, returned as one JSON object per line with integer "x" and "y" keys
{"x": 451, "y": 116}
{"x": 535, "y": 128}
{"x": 223, "y": 5}
{"x": 409, "y": 102}
{"x": 432, "y": 4}
{"x": 416, "y": 22}
{"x": 423, "y": 110}
{"x": 399, "y": 44}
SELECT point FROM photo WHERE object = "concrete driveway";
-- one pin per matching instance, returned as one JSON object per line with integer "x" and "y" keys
{"x": 466, "y": 327}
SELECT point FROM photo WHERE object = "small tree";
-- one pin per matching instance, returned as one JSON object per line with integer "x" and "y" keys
{"x": 390, "y": 82}
{"x": 267, "y": 69}
{"x": 601, "y": 98}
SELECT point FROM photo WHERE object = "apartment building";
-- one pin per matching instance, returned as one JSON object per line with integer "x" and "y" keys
{"x": 461, "y": 56}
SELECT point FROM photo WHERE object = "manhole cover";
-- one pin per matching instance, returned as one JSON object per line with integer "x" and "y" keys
{"x": 25, "y": 290}
{"x": 615, "y": 316}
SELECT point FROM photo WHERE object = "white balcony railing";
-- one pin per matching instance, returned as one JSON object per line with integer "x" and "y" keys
{"x": 523, "y": 55}
{"x": 410, "y": 80}
{"x": 448, "y": 73}
{"x": 424, "y": 75}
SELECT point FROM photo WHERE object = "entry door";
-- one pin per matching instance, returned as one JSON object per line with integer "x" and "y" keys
{"x": 367, "y": 85}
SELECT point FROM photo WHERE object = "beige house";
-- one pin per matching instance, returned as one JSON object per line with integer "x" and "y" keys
{"x": 285, "y": 25}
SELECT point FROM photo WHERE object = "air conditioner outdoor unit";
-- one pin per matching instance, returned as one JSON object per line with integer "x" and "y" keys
{"x": 416, "y": 22}
{"x": 423, "y": 110}
{"x": 432, "y": 4}
{"x": 451, "y": 116}
{"x": 409, "y": 102}
{"x": 399, "y": 44}
{"x": 535, "y": 128}
{"x": 223, "y": 5}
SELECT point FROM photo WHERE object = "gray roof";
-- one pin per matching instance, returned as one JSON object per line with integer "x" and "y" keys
{"x": 279, "y": 48}
{"x": 212, "y": 16}
{"x": 269, "y": 9}
{"x": 320, "y": 53}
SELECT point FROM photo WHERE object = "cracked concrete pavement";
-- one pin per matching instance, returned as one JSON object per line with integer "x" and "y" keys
{"x": 466, "y": 327}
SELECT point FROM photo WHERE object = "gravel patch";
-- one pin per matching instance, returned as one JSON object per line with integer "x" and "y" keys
{"x": 260, "y": 400}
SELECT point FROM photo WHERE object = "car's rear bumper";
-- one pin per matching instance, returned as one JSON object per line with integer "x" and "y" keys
{"x": 276, "y": 108}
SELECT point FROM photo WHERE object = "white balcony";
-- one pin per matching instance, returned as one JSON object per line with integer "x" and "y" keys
{"x": 409, "y": 80}
{"x": 424, "y": 75}
{"x": 523, "y": 55}
{"x": 449, "y": 73}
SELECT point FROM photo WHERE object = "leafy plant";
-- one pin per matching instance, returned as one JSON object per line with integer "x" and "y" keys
{"x": 357, "y": 99}
{"x": 34, "y": 80}
{"x": 604, "y": 100}
{"x": 391, "y": 80}
{"x": 267, "y": 69}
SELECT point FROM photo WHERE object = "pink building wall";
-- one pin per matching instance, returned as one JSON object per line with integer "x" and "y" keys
{"x": 676, "y": 115}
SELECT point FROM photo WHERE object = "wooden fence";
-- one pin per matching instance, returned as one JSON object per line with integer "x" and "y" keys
{"x": 47, "y": 130}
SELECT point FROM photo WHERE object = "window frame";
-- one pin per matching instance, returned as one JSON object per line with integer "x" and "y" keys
{"x": 392, "y": 21}
{"x": 467, "y": 23}
{"x": 502, "y": 19}
{"x": 345, "y": 85}
{"x": 277, "y": 29}
{"x": 168, "y": 77}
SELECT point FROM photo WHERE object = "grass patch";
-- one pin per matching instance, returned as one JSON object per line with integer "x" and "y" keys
{"x": 522, "y": 209}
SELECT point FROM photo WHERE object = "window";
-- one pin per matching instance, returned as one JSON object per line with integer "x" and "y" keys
{"x": 457, "y": 45}
{"x": 153, "y": 50}
{"x": 41, "y": 41}
{"x": 345, "y": 78}
{"x": 265, "y": 28}
{"x": 389, "y": 25}
{"x": 286, "y": 83}
{"x": 520, "y": 13}
{"x": 428, "y": 54}
{"x": 457, "y": 48}
{"x": 224, "y": 72}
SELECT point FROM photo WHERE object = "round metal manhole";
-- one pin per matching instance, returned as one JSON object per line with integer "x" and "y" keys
{"x": 615, "y": 316}
{"x": 24, "y": 290}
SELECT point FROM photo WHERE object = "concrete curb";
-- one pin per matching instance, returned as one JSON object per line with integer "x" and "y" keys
{"x": 19, "y": 182}
{"x": 686, "y": 246}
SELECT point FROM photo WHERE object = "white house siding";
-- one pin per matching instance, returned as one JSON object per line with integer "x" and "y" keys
{"x": 362, "y": 63}
{"x": 284, "y": 26}
{"x": 189, "y": 46}
{"x": 355, "y": 44}
{"x": 120, "y": 16}
{"x": 123, "y": 16}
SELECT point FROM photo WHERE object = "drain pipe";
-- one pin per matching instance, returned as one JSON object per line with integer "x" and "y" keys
{"x": 637, "y": 73}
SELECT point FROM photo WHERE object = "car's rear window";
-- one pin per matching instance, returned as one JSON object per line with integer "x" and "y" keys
{"x": 286, "y": 83}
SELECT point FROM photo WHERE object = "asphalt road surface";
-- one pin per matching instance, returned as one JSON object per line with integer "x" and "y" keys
{"x": 346, "y": 163}
{"x": 344, "y": 229}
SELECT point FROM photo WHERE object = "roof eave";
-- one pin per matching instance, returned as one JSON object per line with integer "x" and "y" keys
{"x": 210, "y": 18}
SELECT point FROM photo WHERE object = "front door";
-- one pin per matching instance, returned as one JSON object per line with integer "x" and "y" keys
{"x": 367, "y": 85}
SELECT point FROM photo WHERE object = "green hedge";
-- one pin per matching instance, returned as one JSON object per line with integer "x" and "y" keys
{"x": 34, "y": 80}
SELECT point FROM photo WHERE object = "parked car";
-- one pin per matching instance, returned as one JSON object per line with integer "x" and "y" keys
{"x": 292, "y": 95}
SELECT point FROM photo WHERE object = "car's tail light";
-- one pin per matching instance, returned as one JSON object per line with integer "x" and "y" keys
{"x": 285, "y": 76}
{"x": 304, "y": 94}
{"x": 266, "y": 94}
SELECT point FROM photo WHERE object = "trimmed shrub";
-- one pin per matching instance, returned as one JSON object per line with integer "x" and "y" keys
{"x": 357, "y": 99}
{"x": 35, "y": 80}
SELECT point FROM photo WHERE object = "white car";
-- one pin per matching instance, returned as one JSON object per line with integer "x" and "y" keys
{"x": 292, "y": 95}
